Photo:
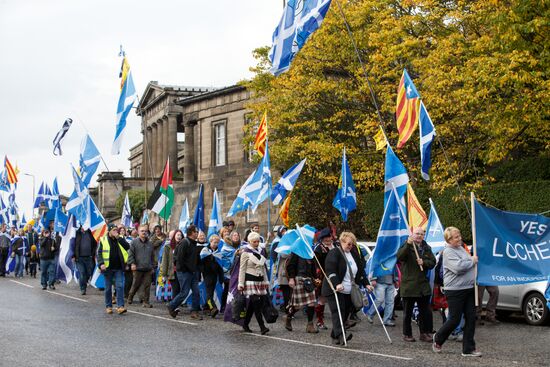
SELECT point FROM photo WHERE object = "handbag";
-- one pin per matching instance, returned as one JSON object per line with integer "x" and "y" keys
{"x": 269, "y": 311}
{"x": 238, "y": 307}
{"x": 357, "y": 299}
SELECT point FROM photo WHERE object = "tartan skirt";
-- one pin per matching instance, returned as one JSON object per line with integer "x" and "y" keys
{"x": 300, "y": 297}
{"x": 255, "y": 288}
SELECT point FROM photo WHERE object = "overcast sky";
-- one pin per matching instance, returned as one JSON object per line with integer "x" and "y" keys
{"x": 59, "y": 59}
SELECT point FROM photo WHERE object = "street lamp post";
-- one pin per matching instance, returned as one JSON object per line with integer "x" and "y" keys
{"x": 33, "y": 192}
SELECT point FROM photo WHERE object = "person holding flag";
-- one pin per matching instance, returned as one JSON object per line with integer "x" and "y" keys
{"x": 49, "y": 248}
{"x": 5, "y": 240}
{"x": 84, "y": 252}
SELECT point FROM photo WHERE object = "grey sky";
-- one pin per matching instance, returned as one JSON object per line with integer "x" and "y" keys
{"x": 60, "y": 59}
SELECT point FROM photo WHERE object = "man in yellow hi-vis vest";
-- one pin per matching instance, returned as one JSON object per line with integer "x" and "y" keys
{"x": 112, "y": 256}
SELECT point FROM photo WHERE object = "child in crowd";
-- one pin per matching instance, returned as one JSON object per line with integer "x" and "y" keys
{"x": 34, "y": 259}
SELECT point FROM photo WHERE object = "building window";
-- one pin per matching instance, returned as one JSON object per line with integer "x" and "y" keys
{"x": 251, "y": 217}
{"x": 220, "y": 200}
{"x": 137, "y": 171}
{"x": 219, "y": 144}
{"x": 249, "y": 152}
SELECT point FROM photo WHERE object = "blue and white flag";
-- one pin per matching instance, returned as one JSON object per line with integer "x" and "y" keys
{"x": 547, "y": 294}
{"x": 4, "y": 219}
{"x": 185, "y": 219}
{"x": 48, "y": 197}
{"x": 427, "y": 133}
{"x": 128, "y": 95}
{"x": 298, "y": 241}
{"x": 65, "y": 267}
{"x": 145, "y": 218}
{"x": 4, "y": 184}
{"x": 513, "y": 248}
{"x": 241, "y": 203}
{"x": 346, "y": 196}
{"x": 10, "y": 263}
{"x": 55, "y": 202}
{"x": 98, "y": 280}
{"x": 89, "y": 159}
{"x": 126, "y": 218}
{"x": 259, "y": 188}
{"x": 39, "y": 196}
{"x": 77, "y": 202}
{"x": 395, "y": 174}
{"x": 286, "y": 182}
{"x": 434, "y": 231}
{"x": 60, "y": 135}
{"x": 23, "y": 222}
{"x": 198, "y": 218}
{"x": 215, "y": 223}
{"x": 60, "y": 221}
{"x": 300, "y": 19}
{"x": 393, "y": 232}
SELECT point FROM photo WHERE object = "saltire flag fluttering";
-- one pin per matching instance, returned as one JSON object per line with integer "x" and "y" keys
{"x": 55, "y": 203}
{"x": 40, "y": 198}
{"x": 11, "y": 173}
{"x": 95, "y": 220}
{"x": 380, "y": 139}
{"x": 88, "y": 160}
{"x": 241, "y": 203}
{"x": 60, "y": 221}
{"x": 298, "y": 241}
{"x": 4, "y": 184}
{"x": 346, "y": 197}
{"x": 66, "y": 267}
{"x": 407, "y": 110}
{"x": 427, "y": 133}
{"x": 77, "y": 205}
{"x": 261, "y": 136}
{"x": 434, "y": 231}
{"x": 215, "y": 223}
{"x": 393, "y": 232}
{"x": 128, "y": 95}
{"x": 261, "y": 184}
{"x": 285, "y": 208}
{"x": 23, "y": 222}
{"x": 126, "y": 217}
{"x": 417, "y": 215}
{"x": 185, "y": 219}
{"x": 395, "y": 174}
{"x": 145, "y": 218}
{"x": 287, "y": 182}
{"x": 162, "y": 198}
{"x": 300, "y": 19}
{"x": 4, "y": 219}
{"x": 60, "y": 135}
{"x": 198, "y": 217}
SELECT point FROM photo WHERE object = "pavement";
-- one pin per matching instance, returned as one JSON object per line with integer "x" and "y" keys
{"x": 62, "y": 328}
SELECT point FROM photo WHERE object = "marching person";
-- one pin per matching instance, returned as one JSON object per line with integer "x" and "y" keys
{"x": 167, "y": 270}
{"x": 212, "y": 273}
{"x": 34, "y": 258}
{"x": 459, "y": 280}
{"x": 84, "y": 249}
{"x": 112, "y": 256}
{"x": 48, "y": 251}
{"x": 157, "y": 239}
{"x": 384, "y": 292}
{"x": 301, "y": 273}
{"x": 19, "y": 252}
{"x": 142, "y": 261}
{"x": 5, "y": 241}
{"x": 415, "y": 286}
{"x": 321, "y": 250}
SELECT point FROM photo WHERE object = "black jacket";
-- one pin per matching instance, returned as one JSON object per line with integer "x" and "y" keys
{"x": 210, "y": 266}
{"x": 299, "y": 267}
{"x": 46, "y": 253}
{"x": 187, "y": 256}
{"x": 336, "y": 267}
{"x": 78, "y": 241}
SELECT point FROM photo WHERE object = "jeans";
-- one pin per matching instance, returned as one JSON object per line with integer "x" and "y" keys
{"x": 384, "y": 293}
{"x": 425, "y": 317}
{"x": 116, "y": 276}
{"x": 85, "y": 268}
{"x": 460, "y": 302}
{"x": 19, "y": 266}
{"x": 47, "y": 276}
{"x": 188, "y": 281}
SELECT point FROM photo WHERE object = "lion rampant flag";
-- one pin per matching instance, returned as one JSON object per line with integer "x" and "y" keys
{"x": 417, "y": 215}
{"x": 283, "y": 212}
{"x": 261, "y": 136}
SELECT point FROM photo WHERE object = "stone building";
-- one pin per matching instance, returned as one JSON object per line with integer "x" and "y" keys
{"x": 200, "y": 131}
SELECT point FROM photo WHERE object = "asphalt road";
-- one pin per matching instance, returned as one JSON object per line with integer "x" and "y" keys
{"x": 63, "y": 328}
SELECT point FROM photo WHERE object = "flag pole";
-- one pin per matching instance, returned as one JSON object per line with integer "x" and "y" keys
{"x": 406, "y": 223}
{"x": 380, "y": 317}
{"x": 474, "y": 246}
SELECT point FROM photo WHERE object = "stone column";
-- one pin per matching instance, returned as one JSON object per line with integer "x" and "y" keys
{"x": 189, "y": 150}
{"x": 153, "y": 146}
{"x": 165, "y": 139}
{"x": 173, "y": 141}
{"x": 160, "y": 158}
{"x": 147, "y": 157}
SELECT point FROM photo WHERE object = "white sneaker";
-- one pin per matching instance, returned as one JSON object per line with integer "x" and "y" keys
{"x": 475, "y": 353}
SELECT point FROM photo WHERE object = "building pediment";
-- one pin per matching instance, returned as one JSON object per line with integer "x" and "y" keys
{"x": 155, "y": 92}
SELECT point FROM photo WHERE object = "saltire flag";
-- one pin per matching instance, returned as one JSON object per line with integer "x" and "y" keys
{"x": 4, "y": 184}
{"x": 98, "y": 280}
{"x": 395, "y": 174}
{"x": 48, "y": 196}
{"x": 393, "y": 232}
{"x": 259, "y": 187}
{"x": 380, "y": 139}
{"x": 215, "y": 223}
{"x": 417, "y": 215}
{"x": 88, "y": 160}
{"x": 434, "y": 231}
{"x": 198, "y": 217}
{"x": 346, "y": 196}
{"x": 4, "y": 219}
{"x": 10, "y": 263}
{"x": 287, "y": 182}
{"x": 261, "y": 136}
{"x": 55, "y": 203}
{"x": 298, "y": 241}
{"x": 94, "y": 220}
{"x": 300, "y": 19}
{"x": 427, "y": 133}
{"x": 185, "y": 219}
{"x": 128, "y": 95}
{"x": 60, "y": 135}
{"x": 60, "y": 221}
{"x": 145, "y": 218}
{"x": 241, "y": 203}
{"x": 162, "y": 198}
{"x": 406, "y": 112}
{"x": 11, "y": 173}
{"x": 40, "y": 198}
{"x": 126, "y": 217}
{"x": 285, "y": 208}
{"x": 23, "y": 222}
{"x": 65, "y": 266}
{"x": 77, "y": 205}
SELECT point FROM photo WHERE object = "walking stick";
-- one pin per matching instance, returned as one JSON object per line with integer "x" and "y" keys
{"x": 380, "y": 317}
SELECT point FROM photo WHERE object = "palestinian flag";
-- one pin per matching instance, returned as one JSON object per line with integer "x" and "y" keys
{"x": 162, "y": 199}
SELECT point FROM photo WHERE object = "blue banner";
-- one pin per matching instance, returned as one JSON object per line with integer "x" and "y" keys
{"x": 513, "y": 248}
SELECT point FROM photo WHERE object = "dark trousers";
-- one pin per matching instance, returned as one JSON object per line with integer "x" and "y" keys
{"x": 210, "y": 281}
{"x": 141, "y": 280}
{"x": 460, "y": 302}
{"x": 345, "y": 310}
{"x": 425, "y": 317}
{"x": 3, "y": 260}
{"x": 254, "y": 307}
{"x": 225, "y": 292}
{"x": 32, "y": 267}
{"x": 175, "y": 286}
{"x": 491, "y": 306}
{"x": 128, "y": 279}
